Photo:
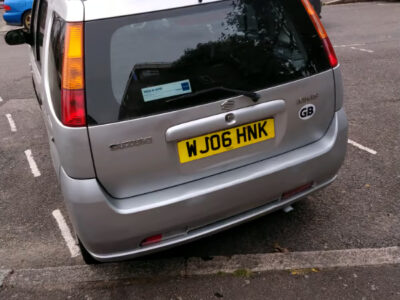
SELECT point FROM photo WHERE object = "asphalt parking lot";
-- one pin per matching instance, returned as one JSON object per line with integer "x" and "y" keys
{"x": 360, "y": 210}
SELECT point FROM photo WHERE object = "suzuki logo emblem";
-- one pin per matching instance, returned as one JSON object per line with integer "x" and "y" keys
{"x": 228, "y": 105}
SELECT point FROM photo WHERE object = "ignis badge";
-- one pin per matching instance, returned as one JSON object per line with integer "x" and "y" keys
{"x": 307, "y": 111}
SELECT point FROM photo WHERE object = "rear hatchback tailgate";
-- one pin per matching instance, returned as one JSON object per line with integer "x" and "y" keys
{"x": 163, "y": 91}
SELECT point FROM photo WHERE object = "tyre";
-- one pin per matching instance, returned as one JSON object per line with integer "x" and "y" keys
{"x": 87, "y": 258}
{"x": 317, "y": 6}
{"x": 26, "y": 19}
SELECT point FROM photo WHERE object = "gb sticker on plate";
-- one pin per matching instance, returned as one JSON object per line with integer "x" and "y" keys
{"x": 307, "y": 111}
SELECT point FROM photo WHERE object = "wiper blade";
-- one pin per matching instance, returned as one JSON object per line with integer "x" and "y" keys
{"x": 252, "y": 95}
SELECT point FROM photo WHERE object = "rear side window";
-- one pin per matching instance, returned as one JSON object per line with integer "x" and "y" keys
{"x": 41, "y": 23}
{"x": 151, "y": 63}
{"x": 56, "y": 52}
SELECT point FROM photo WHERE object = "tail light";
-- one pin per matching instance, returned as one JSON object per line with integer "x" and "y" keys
{"x": 73, "y": 112}
{"x": 330, "y": 52}
{"x": 151, "y": 240}
{"x": 7, "y": 7}
{"x": 298, "y": 190}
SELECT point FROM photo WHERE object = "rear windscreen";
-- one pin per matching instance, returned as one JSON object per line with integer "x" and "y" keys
{"x": 156, "y": 62}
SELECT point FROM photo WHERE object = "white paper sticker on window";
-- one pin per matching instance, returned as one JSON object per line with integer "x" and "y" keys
{"x": 166, "y": 90}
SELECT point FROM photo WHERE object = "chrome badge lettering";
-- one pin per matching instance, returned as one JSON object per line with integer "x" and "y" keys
{"x": 307, "y": 98}
{"x": 228, "y": 105}
{"x": 134, "y": 143}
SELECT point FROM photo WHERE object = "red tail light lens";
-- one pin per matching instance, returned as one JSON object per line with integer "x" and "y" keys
{"x": 151, "y": 240}
{"x": 7, "y": 7}
{"x": 296, "y": 191}
{"x": 330, "y": 52}
{"x": 73, "y": 111}
{"x": 73, "y": 108}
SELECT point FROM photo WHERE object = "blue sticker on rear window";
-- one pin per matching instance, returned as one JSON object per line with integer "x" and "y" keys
{"x": 166, "y": 90}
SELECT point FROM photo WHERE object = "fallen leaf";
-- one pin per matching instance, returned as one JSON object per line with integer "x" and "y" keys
{"x": 304, "y": 271}
{"x": 281, "y": 249}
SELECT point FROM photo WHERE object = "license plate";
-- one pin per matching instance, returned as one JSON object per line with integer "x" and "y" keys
{"x": 225, "y": 140}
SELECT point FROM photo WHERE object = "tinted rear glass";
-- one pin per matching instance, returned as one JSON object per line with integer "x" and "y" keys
{"x": 151, "y": 63}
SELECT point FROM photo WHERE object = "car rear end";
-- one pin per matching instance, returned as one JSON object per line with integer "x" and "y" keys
{"x": 199, "y": 116}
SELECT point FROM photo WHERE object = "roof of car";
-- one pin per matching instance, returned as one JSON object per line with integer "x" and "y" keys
{"x": 100, "y": 9}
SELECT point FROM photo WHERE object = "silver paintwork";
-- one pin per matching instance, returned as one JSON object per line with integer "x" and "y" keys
{"x": 69, "y": 10}
{"x": 339, "y": 95}
{"x": 218, "y": 122}
{"x": 112, "y": 229}
{"x": 102, "y": 9}
{"x": 69, "y": 146}
{"x": 141, "y": 170}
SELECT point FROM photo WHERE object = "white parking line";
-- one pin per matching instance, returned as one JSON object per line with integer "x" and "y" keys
{"x": 359, "y": 146}
{"x": 366, "y": 50}
{"x": 350, "y": 45}
{"x": 66, "y": 233}
{"x": 3, "y": 275}
{"x": 353, "y": 47}
{"x": 11, "y": 122}
{"x": 362, "y": 49}
{"x": 32, "y": 163}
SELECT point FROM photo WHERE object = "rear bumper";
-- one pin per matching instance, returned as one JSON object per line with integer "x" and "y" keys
{"x": 112, "y": 229}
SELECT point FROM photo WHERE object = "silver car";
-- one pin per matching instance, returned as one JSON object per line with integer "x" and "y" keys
{"x": 172, "y": 120}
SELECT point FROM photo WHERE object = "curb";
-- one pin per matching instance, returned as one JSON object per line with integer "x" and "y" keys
{"x": 295, "y": 261}
{"x": 64, "y": 277}
{"x": 3, "y": 275}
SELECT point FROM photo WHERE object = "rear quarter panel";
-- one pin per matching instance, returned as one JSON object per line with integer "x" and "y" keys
{"x": 69, "y": 146}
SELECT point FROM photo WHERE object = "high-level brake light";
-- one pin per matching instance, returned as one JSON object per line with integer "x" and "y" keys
{"x": 330, "y": 52}
{"x": 73, "y": 111}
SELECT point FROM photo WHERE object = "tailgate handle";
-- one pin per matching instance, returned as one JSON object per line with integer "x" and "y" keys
{"x": 218, "y": 122}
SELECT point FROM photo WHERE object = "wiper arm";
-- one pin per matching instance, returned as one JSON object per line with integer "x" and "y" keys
{"x": 252, "y": 95}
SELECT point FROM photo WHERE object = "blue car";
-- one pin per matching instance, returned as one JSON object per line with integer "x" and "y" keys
{"x": 18, "y": 12}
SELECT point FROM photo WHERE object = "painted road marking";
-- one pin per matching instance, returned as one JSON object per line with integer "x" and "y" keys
{"x": 32, "y": 163}
{"x": 3, "y": 275}
{"x": 359, "y": 146}
{"x": 11, "y": 122}
{"x": 355, "y": 47}
{"x": 66, "y": 233}
{"x": 366, "y": 50}
{"x": 1, "y": 99}
{"x": 350, "y": 45}
{"x": 362, "y": 49}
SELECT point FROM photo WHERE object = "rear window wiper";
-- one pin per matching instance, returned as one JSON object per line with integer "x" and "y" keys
{"x": 252, "y": 95}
